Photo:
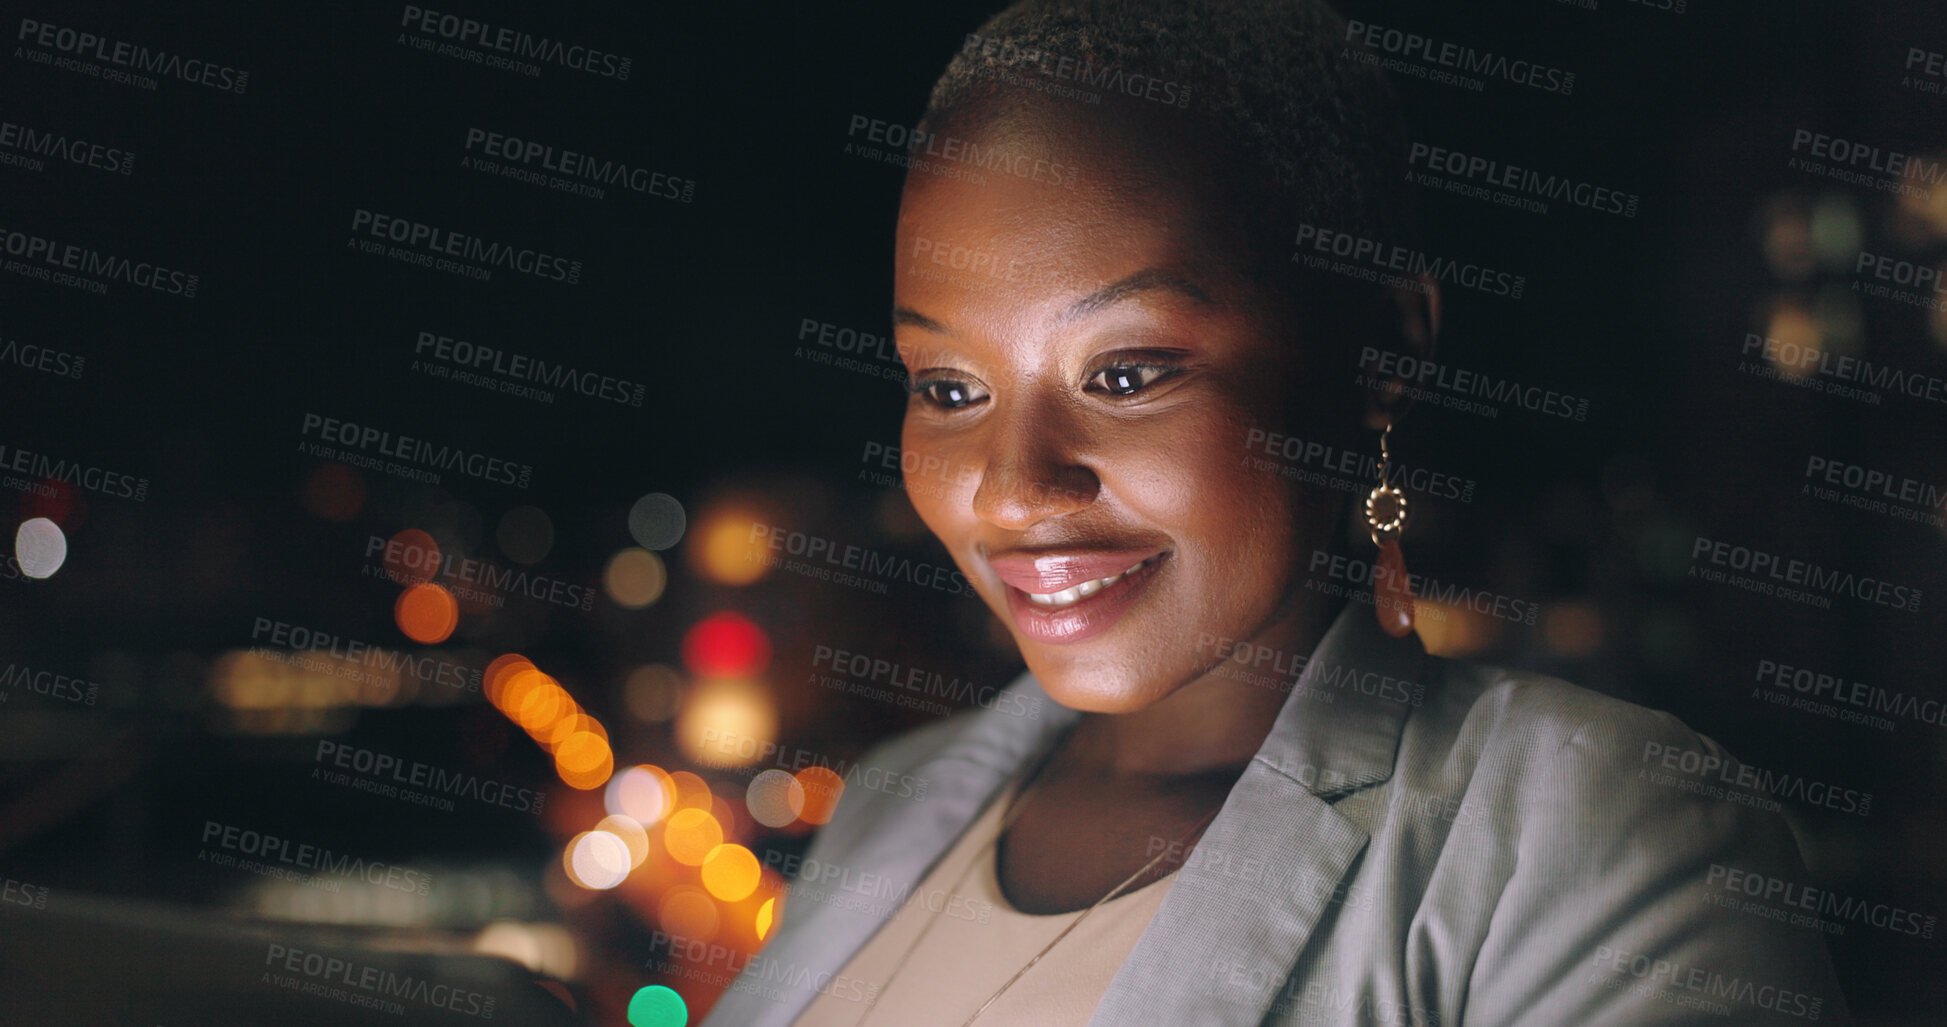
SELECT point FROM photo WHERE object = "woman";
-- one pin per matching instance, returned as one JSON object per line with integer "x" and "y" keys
{"x": 1102, "y": 319}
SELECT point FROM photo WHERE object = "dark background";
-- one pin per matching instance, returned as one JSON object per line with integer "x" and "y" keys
{"x": 702, "y": 302}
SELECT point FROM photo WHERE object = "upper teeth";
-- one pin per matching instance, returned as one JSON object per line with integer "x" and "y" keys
{"x": 1083, "y": 590}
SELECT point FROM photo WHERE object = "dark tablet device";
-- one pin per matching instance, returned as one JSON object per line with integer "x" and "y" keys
{"x": 100, "y": 961}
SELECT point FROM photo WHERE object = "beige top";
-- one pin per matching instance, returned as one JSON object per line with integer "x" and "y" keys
{"x": 976, "y": 943}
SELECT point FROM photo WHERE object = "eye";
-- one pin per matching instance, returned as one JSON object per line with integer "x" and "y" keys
{"x": 1127, "y": 379}
{"x": 946, "y": 393}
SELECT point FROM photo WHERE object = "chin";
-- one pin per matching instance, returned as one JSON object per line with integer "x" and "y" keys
{"x": 1079, "y": 686}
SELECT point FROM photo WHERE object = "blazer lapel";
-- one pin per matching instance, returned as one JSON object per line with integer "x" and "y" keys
{"x": 892, "y": 842}
{"x": 1238, "y": 912}
{"x": 1249, "y": 895}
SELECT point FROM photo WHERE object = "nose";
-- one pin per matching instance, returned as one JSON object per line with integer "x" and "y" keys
{"x": 1031, "y": 469}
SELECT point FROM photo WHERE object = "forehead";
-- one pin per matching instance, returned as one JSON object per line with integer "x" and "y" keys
{"x": 1033, "y": 203}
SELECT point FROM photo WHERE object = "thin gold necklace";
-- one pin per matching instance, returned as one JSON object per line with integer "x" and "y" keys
{"x": 1007, "y": 821}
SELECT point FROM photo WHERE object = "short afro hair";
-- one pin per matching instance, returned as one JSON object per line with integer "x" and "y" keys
{"x": 1265, "y": 75}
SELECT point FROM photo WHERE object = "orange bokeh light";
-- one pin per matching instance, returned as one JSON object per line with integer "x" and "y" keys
{"x": 564, "y": 727}
{"x": 582, "y": 752}
{"x": 822, "y": 787}
{"x": 730, "y": 872}
{"x": 552, "y": 717}
{"x": 500, "y": 672}
{"x": 587, "y": 781}
{"x": 516, "y": 683}
{"x": 724, "y": 550}
{"x": 584, "y": 761}
{"x": 542, "y": 704}
{"x": 690, "y": 835}
{"x": 427, "y": 613}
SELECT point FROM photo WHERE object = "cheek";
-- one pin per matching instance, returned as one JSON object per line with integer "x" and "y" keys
{"x": 939, "y": 483}
{"x": 1192, "y": 478}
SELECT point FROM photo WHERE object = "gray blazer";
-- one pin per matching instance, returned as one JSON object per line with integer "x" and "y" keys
{"x": 1419, "y": 842}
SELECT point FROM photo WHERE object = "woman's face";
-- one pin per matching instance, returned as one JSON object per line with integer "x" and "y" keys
{"x": 1091, "y": 350}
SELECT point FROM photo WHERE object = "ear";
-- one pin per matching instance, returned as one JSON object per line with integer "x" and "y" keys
{"x": 1413, "y": 315}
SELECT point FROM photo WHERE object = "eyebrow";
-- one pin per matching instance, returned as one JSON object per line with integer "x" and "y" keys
{"x": 909, "y": 316}
{"x": 1153, "y": 279}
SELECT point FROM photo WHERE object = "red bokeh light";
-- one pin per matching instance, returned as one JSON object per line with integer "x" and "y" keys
{"x": 62, "y": 507}
{"x": 726, "y": 645}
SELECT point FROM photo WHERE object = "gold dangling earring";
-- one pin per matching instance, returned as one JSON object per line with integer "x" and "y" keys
{"x": 1392, "y": 592}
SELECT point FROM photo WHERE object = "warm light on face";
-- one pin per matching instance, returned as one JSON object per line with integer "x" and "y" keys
{"x": 1090, "y": 366}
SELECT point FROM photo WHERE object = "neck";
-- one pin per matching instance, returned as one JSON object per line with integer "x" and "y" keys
{"x": 1215, "y": 723}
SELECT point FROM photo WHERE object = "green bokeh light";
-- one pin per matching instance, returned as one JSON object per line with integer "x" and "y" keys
{"x": 657, "y": 1006}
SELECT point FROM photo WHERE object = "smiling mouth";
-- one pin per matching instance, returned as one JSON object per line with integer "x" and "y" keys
{"x": 1075, "y": 594}
{"x": 1085, "y": 609}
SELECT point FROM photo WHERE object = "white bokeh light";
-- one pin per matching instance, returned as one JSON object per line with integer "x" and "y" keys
{"x": 598, "y": 860}
{"x": 40, "y": 547}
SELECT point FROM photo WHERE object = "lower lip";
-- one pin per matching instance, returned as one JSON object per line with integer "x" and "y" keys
{"x": 1085, "y": 619}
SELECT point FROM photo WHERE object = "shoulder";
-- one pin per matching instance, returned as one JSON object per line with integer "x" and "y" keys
{"x": 1538, "y": 722}
{"x": 1612, "y": 832}
{"x": 1576, "y": 782}
{"x": 1545, "y": 760}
